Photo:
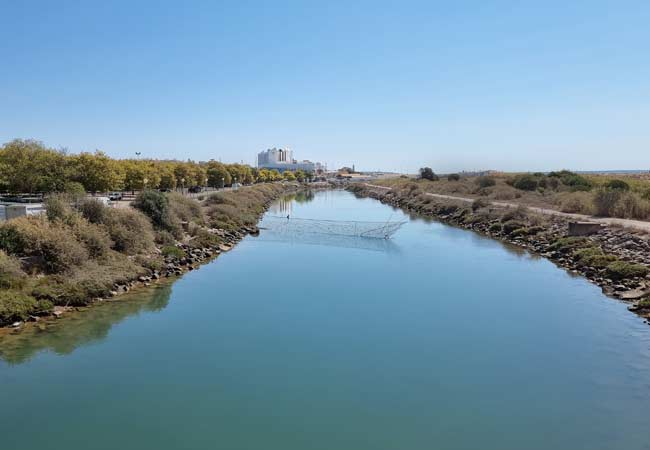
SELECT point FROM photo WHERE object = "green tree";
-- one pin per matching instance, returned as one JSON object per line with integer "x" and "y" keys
{"x": 96, "y": 172}
{"x": 218, "y": 175}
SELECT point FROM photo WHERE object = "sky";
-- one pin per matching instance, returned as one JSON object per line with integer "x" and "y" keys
{"x": 394, "y": 86}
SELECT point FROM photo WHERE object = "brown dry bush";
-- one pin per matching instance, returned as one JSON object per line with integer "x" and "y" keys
{"x": 130, "y": 230}
{"x": 580, "y": 202}
{"x": 11, "y": 272}
{"x": 185, "y": 209}
{"x": 50, "y": 243}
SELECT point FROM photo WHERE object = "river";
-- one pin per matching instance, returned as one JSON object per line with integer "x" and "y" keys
{"x": 438, "y": 338}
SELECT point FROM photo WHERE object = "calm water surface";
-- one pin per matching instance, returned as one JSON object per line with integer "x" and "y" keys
{"x": 436, "y": 339}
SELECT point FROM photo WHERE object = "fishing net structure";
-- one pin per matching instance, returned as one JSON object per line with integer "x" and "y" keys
{"x": 294, "y": 226}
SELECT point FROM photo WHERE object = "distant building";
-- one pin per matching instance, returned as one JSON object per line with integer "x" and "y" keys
{"x": 281, "y": 159}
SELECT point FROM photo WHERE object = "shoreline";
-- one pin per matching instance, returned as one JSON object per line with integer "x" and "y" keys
{"x": 174, "y": 266}
{"x": 595, "y": 257}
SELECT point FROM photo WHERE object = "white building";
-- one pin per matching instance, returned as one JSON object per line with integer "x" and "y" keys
{"x": 281, "y": 159}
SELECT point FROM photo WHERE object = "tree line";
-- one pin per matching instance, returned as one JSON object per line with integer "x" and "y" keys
{"x": 27, "y": 166}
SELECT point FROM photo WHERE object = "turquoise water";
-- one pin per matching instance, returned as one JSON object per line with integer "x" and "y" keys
{"x": 437, "y": 339}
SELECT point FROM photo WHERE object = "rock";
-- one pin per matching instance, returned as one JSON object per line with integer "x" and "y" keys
{"x": 225, "y": 247}
{"x": 634, "y": 294}
{"x": 16, "y": 324}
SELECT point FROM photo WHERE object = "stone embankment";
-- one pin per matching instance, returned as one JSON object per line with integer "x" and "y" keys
{"x": 614, "y": 258}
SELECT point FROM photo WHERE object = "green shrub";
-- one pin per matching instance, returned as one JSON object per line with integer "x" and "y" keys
{"x": 496, "y": 227}
{"x": 427, "y": 174}
{"x": 525, "y": 182}
{"x": 511, "y": 225}
{"x": 74, "y": 190}
{"x": 155, "y": 205}
{"x": 567, "y": 244}
{"x": 485, "y": 181}
{"x": 519, "y": 232}
{"x": 16, "y": 305}
{"x": 593, "y": 257}
{"x": 575, "y": 182}
{"x": 172, "y": 251}
{"x": 453, "y": 177}
{"x": 617, "y": 184}
{"x": 621, "y": 270}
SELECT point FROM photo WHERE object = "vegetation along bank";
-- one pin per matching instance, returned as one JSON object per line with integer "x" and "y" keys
{"x": 81, "y": 251}
{"x": 615, "y": 258}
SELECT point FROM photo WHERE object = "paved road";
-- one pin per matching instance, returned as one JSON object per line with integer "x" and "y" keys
{"x": 629, "y": 223}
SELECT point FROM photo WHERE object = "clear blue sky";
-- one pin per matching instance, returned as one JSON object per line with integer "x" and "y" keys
{"x": 384, "y": 85}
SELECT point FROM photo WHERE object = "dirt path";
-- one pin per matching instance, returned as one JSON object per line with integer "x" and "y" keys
{"x": 629, "y": 223}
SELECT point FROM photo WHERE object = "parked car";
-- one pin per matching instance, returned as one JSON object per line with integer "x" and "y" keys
{"x": 164, "y": 190}
{"x": 115, "y": 196}
{"x": 195, "y": 189}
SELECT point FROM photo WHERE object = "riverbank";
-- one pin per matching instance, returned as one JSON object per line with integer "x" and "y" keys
{"x": 86, "y": 253}
{"x": 616, "y": 259}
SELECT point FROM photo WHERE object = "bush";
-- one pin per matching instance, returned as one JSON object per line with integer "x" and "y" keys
{"x": 503, "y": 193}
{"x": 605, "y": 201}
{"x": 620, "y": 203}
{"x": 510, "y": 226}
{"x": 427, "y": 174}
{"x": 568, "y": 244}
{"x": 172, "y": 251}
{"x": 621, "y": 270}
{"x": 617, "y": 184}
{"x": 204, "y": 239}
{"x": 185, "y": 209}
{"x": 57, "y": 207}
{"x": 94, "y": 237}
{"x": 11, "y": 274}
{"x": 93, "y": 210}
{"x": 576, "y": 202}
{"x": 16, "y": 305}
{"x": 130, "y": 231}
{"x": 496, "y": 228}
{"x": 525, "y": 182}
{"x": 453, "y": 177}
{"x": 485, "y": 181}
{"x": 50, "y": 242}
{"x": 164, "y": 238}
{"x": 630, "y": 206}
{"x": 575, "y": 182}
{"x": 155, "y": 205}
{"x": 593, "y": 257}
{"x": 479, "y": 203}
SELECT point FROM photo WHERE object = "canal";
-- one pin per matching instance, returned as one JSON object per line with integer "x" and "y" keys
{"x": 438, "y": 338}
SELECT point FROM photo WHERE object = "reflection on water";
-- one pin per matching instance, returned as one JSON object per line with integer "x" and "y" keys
{"x": 64, "y": 335}
{"x": 284, "y": 205}
{"x": 332, "y": 240}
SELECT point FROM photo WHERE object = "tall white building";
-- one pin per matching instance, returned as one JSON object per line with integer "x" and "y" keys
{"x": 281, "y": 159}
